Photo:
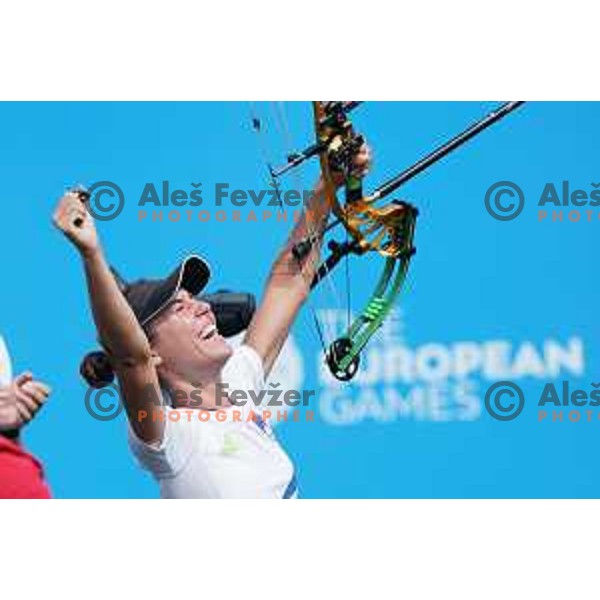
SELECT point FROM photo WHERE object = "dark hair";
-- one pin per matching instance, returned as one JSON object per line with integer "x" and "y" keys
{"x": 233, "y": 312}
{"x": 96, "y": 369}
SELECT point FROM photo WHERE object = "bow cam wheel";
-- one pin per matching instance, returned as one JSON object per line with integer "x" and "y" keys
{"x": 337, "y": 352}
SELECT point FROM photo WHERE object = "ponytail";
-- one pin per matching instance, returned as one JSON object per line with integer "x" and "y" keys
{"x": 96, "y": 369}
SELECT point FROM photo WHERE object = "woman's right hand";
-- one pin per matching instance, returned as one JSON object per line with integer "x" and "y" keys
{"x": 73, "y": 219}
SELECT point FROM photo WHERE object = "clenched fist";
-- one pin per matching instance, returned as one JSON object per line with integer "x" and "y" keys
{"x": 361, "y": 163}
{"x": 20, "y": 401}
{"x": 72, "y": 218}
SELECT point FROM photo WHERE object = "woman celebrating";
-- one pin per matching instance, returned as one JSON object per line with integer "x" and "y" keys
{"x": 161, "y": 342}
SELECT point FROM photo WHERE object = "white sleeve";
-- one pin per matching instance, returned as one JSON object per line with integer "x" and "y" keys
{"x": 168, "y": 457}
{"x": 244, "y": 371}
{"x": 5, "y": 366}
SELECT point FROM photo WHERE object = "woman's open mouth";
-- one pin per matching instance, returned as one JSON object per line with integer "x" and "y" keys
{"x": 208, "y": 332}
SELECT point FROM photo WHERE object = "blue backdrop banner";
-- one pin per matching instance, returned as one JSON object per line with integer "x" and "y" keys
{"x": 482, "y": 383}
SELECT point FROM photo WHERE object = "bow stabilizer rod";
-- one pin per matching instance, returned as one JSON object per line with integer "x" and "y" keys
{"x": 445, "y": 149}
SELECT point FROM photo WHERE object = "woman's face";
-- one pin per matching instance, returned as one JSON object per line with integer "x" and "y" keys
{"x": 185, "y": 337}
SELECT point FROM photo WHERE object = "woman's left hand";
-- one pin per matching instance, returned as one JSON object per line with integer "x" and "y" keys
{"x": 361, "y": 165}
{"x": 362, "y": 161}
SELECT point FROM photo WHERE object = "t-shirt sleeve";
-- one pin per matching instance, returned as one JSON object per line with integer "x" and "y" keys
{"x": 167, "y": 458}
{"x": 244, "y": 371}
{"x": 21, "y": 474}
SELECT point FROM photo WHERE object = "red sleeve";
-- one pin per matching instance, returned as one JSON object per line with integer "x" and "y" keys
{"x": 21, "y": 474}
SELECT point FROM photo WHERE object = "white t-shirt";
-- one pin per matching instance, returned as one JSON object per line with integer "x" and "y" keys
{"x": 5, "y": 367}
{"x": 235, "y": 458}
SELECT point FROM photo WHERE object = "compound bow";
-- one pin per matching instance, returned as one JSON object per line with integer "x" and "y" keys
{"x": 386, "y": 230}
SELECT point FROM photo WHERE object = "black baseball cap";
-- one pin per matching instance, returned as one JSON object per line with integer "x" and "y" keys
{"x": 149, "y": 297}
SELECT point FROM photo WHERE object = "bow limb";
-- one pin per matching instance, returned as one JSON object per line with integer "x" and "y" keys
{"x": 344, "y": 354}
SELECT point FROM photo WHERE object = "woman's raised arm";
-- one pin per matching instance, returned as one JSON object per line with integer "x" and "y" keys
{"x": 120, "y": 333}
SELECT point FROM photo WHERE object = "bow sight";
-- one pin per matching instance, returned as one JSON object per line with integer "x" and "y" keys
{"x": 334, "y": 123}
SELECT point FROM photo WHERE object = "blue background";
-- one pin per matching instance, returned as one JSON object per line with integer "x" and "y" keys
{"x": 474, "y": 278}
